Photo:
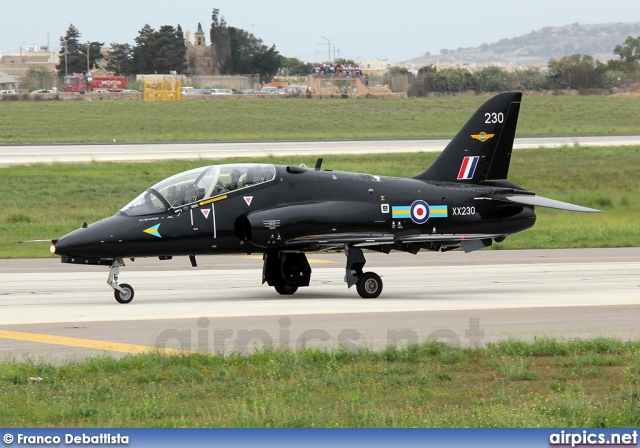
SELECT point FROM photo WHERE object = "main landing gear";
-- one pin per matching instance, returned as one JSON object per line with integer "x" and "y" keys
{"x": 287, "y": 271}
{"x": 123, "y": 292}
{"x": 368, "y": 284}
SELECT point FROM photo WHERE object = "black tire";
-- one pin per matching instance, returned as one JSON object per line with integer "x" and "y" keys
{"x": 369, "y": 285}
{"x": 127, "y": 296}
{"x": 285, "y": 290}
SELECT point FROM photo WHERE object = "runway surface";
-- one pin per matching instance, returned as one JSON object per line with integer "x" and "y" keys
{"x": 29, "y": 154}
{"x": 58, "y": 311}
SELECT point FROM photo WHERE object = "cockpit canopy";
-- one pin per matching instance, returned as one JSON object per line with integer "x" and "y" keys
{"x": 197, "y": 184}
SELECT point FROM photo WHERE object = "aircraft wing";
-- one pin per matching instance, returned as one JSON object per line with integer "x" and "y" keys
{"x": 469, "y": 242}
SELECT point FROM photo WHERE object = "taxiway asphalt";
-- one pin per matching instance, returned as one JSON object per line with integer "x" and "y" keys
{"x": 30, "y": 154}
{"x": 57, "y": 311}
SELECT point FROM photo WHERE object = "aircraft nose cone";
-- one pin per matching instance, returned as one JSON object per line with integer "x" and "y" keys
{"x": 66, "y": 244}
{"x": 87, "y": 241}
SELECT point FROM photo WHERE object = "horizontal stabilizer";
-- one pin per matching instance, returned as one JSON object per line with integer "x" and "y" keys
{"x": 539, "y": 201}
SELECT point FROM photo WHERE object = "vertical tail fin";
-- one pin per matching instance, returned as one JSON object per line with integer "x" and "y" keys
{"x": 482, "y": 148}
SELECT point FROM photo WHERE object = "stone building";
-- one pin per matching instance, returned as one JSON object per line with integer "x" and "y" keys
{"x": 17, "y": 64}
{"x": 202, "y": 59}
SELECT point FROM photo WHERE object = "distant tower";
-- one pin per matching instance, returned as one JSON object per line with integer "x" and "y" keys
{"x": 199, "y": 36}
{"x": 200, "y": 56}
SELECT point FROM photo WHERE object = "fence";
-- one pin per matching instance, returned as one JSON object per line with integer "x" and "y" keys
{"x": 237, "y": 83}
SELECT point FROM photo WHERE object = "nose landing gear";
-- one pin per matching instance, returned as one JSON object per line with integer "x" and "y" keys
{"x": 123, "y": 292}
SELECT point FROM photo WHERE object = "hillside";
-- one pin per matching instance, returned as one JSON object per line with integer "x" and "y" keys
{"x": 538, "y": 47}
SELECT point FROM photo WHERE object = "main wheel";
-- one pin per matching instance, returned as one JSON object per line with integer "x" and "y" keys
{"x": 126, "y": 296}
{"x": 285, "y": 290}
{"x": 369, "y": 285}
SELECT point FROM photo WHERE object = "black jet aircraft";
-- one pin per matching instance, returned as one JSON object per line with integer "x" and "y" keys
{"x": 462, "y": 200}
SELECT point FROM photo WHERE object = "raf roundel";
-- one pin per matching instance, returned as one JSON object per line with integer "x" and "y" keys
{"x": 419, "y": 212}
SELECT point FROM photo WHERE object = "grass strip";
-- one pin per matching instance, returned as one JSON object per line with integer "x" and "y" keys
{"x": 542, "y": 383}
{"x": 230, "y": 119}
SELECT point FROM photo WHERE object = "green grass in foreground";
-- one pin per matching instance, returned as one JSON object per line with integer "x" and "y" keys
{"x": 547, "y": 383}
{"x": 219, "y": 119}
{"x": 47, "y": 201}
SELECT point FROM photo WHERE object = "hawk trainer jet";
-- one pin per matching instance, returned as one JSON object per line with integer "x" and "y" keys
{"x": 462, "y": 200}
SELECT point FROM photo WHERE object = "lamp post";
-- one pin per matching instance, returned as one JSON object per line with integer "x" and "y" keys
{"x": 328, "y": 46}
{"x": 88, "y": 74}
{"x": 87, "y": 55}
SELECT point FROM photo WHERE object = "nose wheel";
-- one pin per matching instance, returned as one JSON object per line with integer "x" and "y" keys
{"x": 123, "y": 292}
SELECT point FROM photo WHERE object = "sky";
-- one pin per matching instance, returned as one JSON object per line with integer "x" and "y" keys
{"x": 359, "y": 30}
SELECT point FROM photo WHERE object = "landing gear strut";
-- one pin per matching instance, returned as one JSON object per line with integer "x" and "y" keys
{"x": 123, "y": 292}
{"x": 368, "y": 284}
{"x": 286, "y": 271}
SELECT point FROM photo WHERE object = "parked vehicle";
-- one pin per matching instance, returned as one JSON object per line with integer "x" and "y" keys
{"x": 295, "y": 89}
{"x": 221, "y": 91}
{"x": 188, "y": 90}
{"x": 40, "y": 91}
{"x": 269, "y": 90}
{"x": 76, "y": 83}
{"x": 7, "y": 92}
{"x": 249, "y": 92}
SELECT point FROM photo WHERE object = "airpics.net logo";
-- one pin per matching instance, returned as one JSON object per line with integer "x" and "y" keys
{"x": 588, "y": 438}
{"x": 285, "y": 334}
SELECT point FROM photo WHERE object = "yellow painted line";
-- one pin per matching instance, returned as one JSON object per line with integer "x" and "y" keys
{"x": 310, "y": 260}
{"x": 85, "y": 343}
{"x": 316, "y": 260}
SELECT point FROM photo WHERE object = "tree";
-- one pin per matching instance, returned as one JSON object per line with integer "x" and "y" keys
{"x": 493, "y": 79}
{"x": 249, "y": 55}
{"x": 267, "y": 63}
{"x": 344, "y": 61}
{"x": 219, "y": 38}
{"x": 171, "y": 50}
{"x": 427, "y": 69}
{"x": 240, "y": 52}
{"x": 579, "y": 72}
{"x": 76, "y": 53}
{"x": 451, "y": 80}
{"x": 144, "y": 50}
{"x": 398, "y": 71}
{"x": 294, "y": 66}
{"x": 622, "y": 66}
{"x": 531, "y": 79}
{"x": 159, "y": 51}
{"x": 120, "y": 60}
{"x": 39, "y": 78}
{"x": 630, "y": 50}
